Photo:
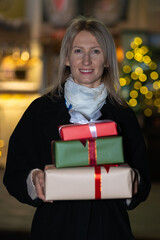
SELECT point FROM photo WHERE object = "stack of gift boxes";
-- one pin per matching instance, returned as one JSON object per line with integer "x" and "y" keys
{"x": 88, "y": 164}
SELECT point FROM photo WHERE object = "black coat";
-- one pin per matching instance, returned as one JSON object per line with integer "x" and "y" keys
{"x": 29, "y": 148}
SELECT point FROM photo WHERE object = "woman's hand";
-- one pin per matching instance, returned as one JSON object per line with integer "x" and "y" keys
{"x": 38, "y": 181}
{"x": 135, "y": 183}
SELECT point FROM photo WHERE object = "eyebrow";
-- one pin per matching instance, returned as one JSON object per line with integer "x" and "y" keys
{"x": 83, "y": 47}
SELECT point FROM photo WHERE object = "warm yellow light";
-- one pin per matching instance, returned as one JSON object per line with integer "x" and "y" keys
{"x": 146, "y": 59}
{"x": 133, "y": 45}
{"x": 137, "y": 85}
{"x": 133, "y": 94}
{"x": 129, "y": 55}
{"x": 132, "y": 102}
{"x": 144, "y": 50}
{"x": 142, "y": 77}
{"x": 148, "y": 101}
{"x": 25, "y": 56}
{"x": 138, "y": 57}
{"x": 144, "y": 90}
{"x": 138, "y": 40}
{"x": 157, "y": 102}
{"x": 154, "y": 75}
{"x": 147, "y": 112}
{"x": 149, "y": 95}
{"x": 134, "y": 76}
{"x": 139, "y": 70}
{"x": 126, "y": 69}
{"x": 122, "y": 81}
{"x": 16, "y": 54}
{"x": 156, "y": 85}
{"x": 153, "y": 65}
{"x": 120, "y": 54}
{"x": 20, "y": 63}
{"x": 0, "y": 153}
{"x": 1, "y": 143}
{"x": 128, "y": 80}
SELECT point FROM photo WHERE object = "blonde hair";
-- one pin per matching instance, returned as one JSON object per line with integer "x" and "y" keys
{"x": 110, "y": 75}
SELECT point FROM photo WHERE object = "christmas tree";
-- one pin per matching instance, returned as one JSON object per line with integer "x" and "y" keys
{"x": 139, "y": 79}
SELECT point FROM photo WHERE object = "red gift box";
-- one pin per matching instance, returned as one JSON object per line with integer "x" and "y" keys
{"x": 89, "y": 130}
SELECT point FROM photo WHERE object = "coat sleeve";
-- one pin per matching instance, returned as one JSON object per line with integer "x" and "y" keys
{"x": 135, "y": 154}
{"x": 23, "y": 155}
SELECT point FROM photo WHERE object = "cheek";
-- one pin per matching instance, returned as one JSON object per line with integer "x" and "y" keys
{"x": 74, "y": 62}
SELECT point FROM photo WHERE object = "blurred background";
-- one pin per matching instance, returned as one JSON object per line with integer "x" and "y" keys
{"x": 31, "y": 32}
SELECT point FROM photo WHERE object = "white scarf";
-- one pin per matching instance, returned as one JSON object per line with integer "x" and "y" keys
{"x": 87, "y": 101}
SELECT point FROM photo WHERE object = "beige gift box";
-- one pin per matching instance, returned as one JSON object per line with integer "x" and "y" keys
{"x": 79, "y": 183}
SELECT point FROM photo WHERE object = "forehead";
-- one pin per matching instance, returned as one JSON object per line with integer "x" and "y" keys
{"x": 85, "y": 38}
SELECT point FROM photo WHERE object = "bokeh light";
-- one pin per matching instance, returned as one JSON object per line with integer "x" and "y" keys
{"x": 154, "y": 75}
{"x": 138, "y": 40}
{"x": 142, "y": 77}
{"x": 132, "y": 102}
{"x": 137, "y": 85}
{"x": 156, "y": 85}
{"x": 152, "y": 65}
{"x": 126, "y": 69}
{"x": 122, "y": 81}
{"x": 157, "y": 102}
{"x": 133, "y": 94}
{"x": 129, "y": 55}
{"x": 146, "y": 59}
{"x": 134, "y": 76}
{"x": 147, "y": 112}
{"x": 144, "y": 90}
{"x": 149, "y": 95}
{"x": 139, "y": 70}
{"x": 133, "y": 45}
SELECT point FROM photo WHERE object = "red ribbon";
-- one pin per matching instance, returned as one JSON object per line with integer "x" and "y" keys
{"x": 92, "y": 152}
{"x": 98, "y": 180}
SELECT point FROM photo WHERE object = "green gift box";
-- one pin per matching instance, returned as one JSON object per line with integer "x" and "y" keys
{"x": 104, "y": 150}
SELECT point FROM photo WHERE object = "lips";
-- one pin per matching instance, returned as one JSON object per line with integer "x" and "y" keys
{"x": 86, "y": 70}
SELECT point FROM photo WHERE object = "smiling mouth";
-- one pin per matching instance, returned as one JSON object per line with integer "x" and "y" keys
{"x": 86, "y": 70}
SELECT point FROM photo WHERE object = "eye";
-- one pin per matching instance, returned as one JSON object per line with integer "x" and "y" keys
{"x": 77, "y": 50}
{"x": 96, "y": 51}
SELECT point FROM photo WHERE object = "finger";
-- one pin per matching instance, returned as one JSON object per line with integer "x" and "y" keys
{"x": 39, "y": 189}
{"x": 49, "y": 167}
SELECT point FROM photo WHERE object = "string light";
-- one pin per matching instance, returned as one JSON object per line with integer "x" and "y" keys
{"x": 134, "y": 76}
{"x": 152, "y": 65}
{"x": 126, "y": 69}
{"x": 133, "y": 94}
{"x": 146, "y": 59}
{"x": 144, "y": 90}
{"x": 137, "y": 85}
{"x": 132, "y": 102}
{"x": 138, "y": 40}
{"x": 154, "y": 75}
{"x": 129, "y": 55}
{"x": 139, "y": 70}
{"x": 149, "y": 95}
{"x": 122, "y": 81}
{"x": 140, "y": 79}
{"x": 133, "y": 45}
{"x": 157, "y": 102}
{"x": 128, "y": 80}
{"x": 147, "y": 112}
{"x": 156, "y": 85}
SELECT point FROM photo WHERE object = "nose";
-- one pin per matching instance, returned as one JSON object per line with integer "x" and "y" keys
{"x": 86, "y": 59}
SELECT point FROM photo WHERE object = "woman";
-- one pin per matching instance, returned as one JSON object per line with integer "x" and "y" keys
{"x": 87, "y": 88}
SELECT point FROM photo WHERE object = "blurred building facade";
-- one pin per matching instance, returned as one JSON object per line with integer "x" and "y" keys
{"x": 31, "y": 33}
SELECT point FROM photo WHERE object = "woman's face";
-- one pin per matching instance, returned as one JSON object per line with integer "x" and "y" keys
{"x": 86, "y": 60}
